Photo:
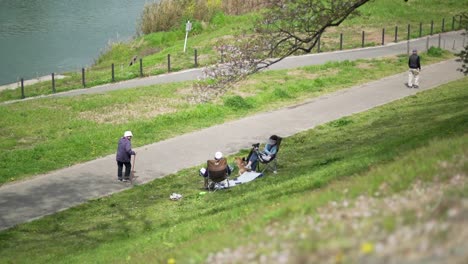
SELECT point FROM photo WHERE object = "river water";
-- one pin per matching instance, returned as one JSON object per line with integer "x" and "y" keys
{"x": 38, "y": 37}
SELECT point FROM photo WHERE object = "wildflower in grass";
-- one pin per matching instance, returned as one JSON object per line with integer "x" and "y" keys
{"x": 367, "y": 248}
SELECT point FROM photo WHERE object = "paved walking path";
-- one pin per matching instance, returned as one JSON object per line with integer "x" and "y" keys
{"x": 46, "y": 194}
{"x": 450, "y": 40}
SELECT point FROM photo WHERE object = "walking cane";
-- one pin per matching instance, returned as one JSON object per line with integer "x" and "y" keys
{"x": 132, "y": 174}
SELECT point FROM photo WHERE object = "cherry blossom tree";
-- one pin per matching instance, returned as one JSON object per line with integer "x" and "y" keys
{"x": 285, "y": 28}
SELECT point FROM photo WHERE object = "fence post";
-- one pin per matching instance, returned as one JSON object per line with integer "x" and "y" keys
{"x": 408, "y": 39}
{"x": 168, "y": 62}
{"x": 420, "y": 29}
{"x": 141, "y": 67}
{"x": 396, "y": 34}
{"x": 113, "y": 75}
{"x": 383, "y": 36}
{"x": 83, "y": 81}
{"x": 22, "y": 89}
{"x": 439, "y": 39}
{"x": 409, "y": 30}
{"x": 196, "y": 59}
{"x": 453, "y": 23}
{"x": 222, "y": 55}
{"x": 363, "y": 37}
{"x": 443, "y": 24}
{"x": 432, "y": 27}
{"x": 53, "y": 83}
{"x": 427, "y": 43}
{"x": 341, "y": 41}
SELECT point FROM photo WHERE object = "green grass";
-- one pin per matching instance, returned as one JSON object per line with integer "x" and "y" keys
{"x": 396, "y": 144}
{"x": 154, "y": 48}
{"x": 42, "y": 135}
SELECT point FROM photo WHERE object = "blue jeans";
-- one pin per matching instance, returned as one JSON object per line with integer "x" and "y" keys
{"x": 254, "y": 160}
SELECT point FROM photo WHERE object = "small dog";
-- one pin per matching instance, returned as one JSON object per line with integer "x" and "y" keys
{"x": 240, "y": 164}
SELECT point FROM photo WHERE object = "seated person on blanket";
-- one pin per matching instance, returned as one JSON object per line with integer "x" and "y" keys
{"x": 265, "y": 155}
{"x": 218, "y": 156}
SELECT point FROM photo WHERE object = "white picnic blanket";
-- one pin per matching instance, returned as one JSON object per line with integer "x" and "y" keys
{"x": 245, "y": 177}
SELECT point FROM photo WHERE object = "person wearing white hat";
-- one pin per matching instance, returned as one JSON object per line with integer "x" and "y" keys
{"x": 218, "y": 156}
{"x": 124, "y": 153}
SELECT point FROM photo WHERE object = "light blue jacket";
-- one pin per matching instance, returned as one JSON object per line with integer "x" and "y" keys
{"x": 270, "y": 149}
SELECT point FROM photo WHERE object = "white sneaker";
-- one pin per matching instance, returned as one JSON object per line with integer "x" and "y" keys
{"x": 248, "y": 167}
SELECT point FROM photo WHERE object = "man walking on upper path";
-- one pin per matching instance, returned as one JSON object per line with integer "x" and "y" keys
{"x": 414, "y": 65}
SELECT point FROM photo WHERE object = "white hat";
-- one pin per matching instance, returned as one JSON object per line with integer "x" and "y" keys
{"x": 128, "y": 134}
{"x": 218, "y": 155}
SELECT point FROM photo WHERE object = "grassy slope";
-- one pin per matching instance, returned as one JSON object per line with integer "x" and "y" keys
{"x": 155, "y": 47}
{"x": 396, "y": 143}
{"x": 133, "y": 222}
{"x": 42, "y": 135}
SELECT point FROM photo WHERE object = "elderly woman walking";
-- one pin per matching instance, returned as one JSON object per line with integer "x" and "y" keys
{"x": 124, "y": 153}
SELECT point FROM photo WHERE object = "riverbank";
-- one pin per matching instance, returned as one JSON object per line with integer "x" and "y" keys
{"x": 154, "y": 49}
{"x": 17, "y": 84}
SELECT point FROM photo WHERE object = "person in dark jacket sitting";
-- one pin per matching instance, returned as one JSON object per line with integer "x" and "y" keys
{"x": 124, "y": 153}
{"x": 414, "y": 64}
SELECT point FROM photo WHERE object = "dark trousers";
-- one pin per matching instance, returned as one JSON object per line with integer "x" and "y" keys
{"x": 128, "y": 168}
{"x": 254, "y": 160}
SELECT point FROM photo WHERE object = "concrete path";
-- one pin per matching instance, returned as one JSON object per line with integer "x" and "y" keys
{"x": 450, "y": 40}
{"x": 46, "y": 194}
